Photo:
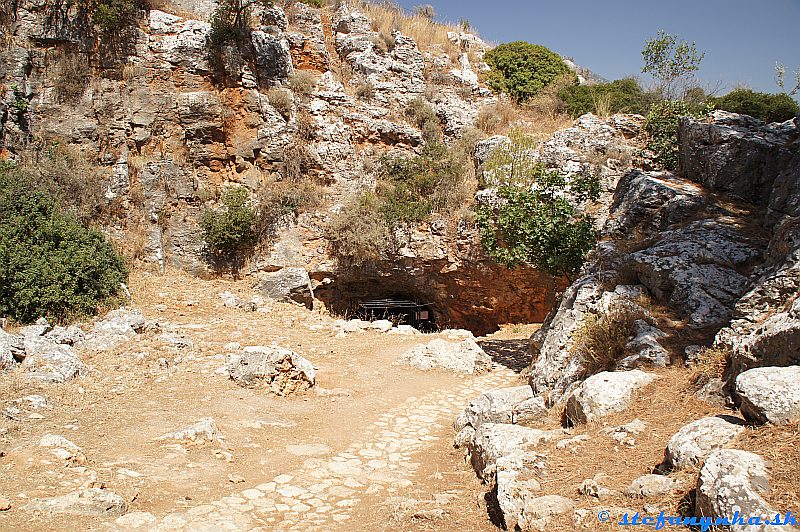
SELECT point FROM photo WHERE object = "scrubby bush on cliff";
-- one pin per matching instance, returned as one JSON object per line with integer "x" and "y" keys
{"x": 661, "y": 130}
{"x": 50, "y": 264}
{"x": 407, "y": 191}
{"x": 600, "y": 342}
{"x": 424, "y": 116}
{"x": 230, "y": 231}
{"x": 620, "y": 96}
{"x": 521, "y": 69}
{"x": 534, "y": 218}
{"x": 761, "y": 105}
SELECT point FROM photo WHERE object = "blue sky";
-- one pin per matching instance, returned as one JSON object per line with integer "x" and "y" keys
{"x": 742, "y": 39}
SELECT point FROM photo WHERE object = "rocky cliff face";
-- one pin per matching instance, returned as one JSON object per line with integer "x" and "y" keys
{"x": 173, "y": 121}
{"x": 716, "y": 246}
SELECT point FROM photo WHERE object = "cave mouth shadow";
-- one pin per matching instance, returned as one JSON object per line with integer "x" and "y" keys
{"x": 513, "y": 354}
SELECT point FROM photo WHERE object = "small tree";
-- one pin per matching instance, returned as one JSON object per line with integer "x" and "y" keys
{"x": 230, "y": 232}
{"x": 535, "y": 219}
{"x": 672, "y": 62}
{"x": 780, "y": 79}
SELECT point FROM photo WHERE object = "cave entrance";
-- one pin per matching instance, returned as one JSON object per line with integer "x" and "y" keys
{"x": 399, "y": 311}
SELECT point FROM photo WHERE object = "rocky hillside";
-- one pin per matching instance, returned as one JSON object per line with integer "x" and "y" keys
{"x": 698, "y": 270}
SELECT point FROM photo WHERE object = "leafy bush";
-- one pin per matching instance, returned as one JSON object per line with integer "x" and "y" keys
{"x": 624, "y": 96}
{"x": 230, "y": 231}
{"x": 672, "y": 62}
{"x": 113, "y": 15}
{"x": 534, "y": 219}
{"x": 521, "y": 69}
{"x": 50, "y": 264}
{"x": 229, "y": 23}
{"x": 661, "y": 128}
{"x": 761, "y": 105}
{"x": 600, "y": 341}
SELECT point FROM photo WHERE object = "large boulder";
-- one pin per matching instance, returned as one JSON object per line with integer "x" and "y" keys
{"x": 733, "y": 483}
{"x": 287, "y": 284}
{"x": 464, "y": 357}
{"x": 743, "y": 156}
{"x": 555, "y": 367}
{"x": 605, "y": 393}
{"x": 95, "y": 502}
{"x": 496, "y": 406}
{"x": 693, "y": 442}
{"x": 770, "y": 395}
{"x": 47, "y": 361}
{"x": 278, "y": 369}
{"x": 495, "y": 440}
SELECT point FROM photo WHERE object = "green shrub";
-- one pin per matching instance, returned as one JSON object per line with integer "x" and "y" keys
{"x": 113, "y": 15}
{"x": 534, "y": 219}
{"x": 50, "y": 265}
{"x": 761, "y": 105}
{"x": 231, "y": 231}
{"x": 661, "y": 128}
{"x": 521, "y": 69}
{"x": 407, "y": 191}
{"x": 624, "y": 95}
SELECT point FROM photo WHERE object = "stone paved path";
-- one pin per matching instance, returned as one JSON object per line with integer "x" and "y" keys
{"x": 322, "y": 493}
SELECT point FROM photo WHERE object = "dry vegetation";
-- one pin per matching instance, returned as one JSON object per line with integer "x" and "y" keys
{"x": 601, "y": 339}
{"x": 429, "y": 34}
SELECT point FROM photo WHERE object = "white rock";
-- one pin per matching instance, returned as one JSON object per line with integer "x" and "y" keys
{"x": 205, "y": 430}
{"x": 648, "y": 486}
{"x": 493, "y": 407}
{"x": 770, "y": 395}
{"x": 605, "y": 393}
{"x": 281, "y": 370}
{"x": 465, "y": 357}
{"x": 495, "y": 440}
{"x": 693, "y": 442}
{"x": 89, "y": 502}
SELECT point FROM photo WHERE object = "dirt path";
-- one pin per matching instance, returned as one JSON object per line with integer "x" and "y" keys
{"x": 348, "y": 456}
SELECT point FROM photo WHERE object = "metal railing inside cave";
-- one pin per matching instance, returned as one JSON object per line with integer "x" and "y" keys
{"x": 400, "y": 311}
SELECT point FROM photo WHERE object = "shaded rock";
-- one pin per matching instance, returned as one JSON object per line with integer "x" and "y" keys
{"x": 496, "y": 406}
{"x": 70, "y": 335}
{"x": 88, "y": 502}
{"x": 288, "y": 284}
{"x": 603, "y": 394}
{"x": 538, "y": 513}
{"x": 494, "y": 440}
{"x": 12, "y": 348}
{"x": 40, "y": 328}
{"x": 770, "y": 395}
{"x": 648, "y": 486}
{"x": 645, "y": 348}
{"x": 463, "y": 437}
{"x": 740, "y": 155}
{"x": 530, "y": 411}
{"x": 733, "y": 481}
{"x": 280, "y": 370}
{"x": 693, "y": 442}
{"x": 205, "y": 430}
{"x": 465, "y": 357}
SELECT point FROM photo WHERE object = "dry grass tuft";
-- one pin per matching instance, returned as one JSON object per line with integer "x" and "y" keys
{"x": 601, "y": 340}
{"x": 779, "y": 445}
{"x": 430, "y": 35}
{"x": 710, "y": 365}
